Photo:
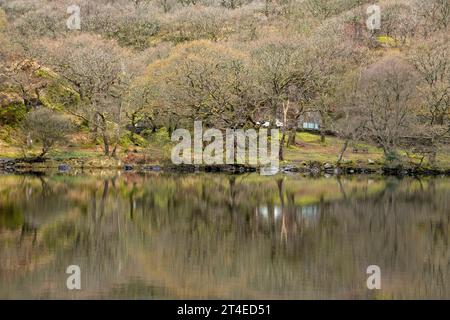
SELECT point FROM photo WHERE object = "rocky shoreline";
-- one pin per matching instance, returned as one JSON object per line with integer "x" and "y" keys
{"x": 314, "y": 168}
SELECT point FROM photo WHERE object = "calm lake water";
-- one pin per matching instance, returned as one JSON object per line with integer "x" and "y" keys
{"x": 159, "y": 236}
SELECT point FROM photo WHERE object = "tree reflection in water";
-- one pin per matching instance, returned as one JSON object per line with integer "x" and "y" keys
{"x": 223, "y": 236}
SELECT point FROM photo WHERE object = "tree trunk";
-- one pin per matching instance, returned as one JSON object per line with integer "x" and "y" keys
{"x": 432, "y": 157}
{"x": 322, "y": 127}
{"x": 133, "y": 126}
{"x": 281, "y": 151}
{"x": 390, "y": 154}
{"x": 45, "y": 149}
{"x": 286, "y": 106}
{"x": 291, "y": 138}
{"x": 341, "y": 154}
{"x": 114, "y": 152}
{"x": 104, "y": 130}
{"x": 94, "y": 130}
{"x": 43, "y": 153}
{"x": 105, "y": 145}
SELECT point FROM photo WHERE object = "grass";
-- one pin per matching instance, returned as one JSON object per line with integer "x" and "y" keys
{"x": 308, "y": 148}
{"x": 70, "y": 153}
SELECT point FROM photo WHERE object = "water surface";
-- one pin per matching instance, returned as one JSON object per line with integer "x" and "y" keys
{"x": 171, "y": 236}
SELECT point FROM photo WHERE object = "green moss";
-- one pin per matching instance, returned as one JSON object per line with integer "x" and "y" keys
{"x": 44, "y": 73}
{"x": 6, "y": 131}
{"x": 125, "y": 141}
{"x": 139, "y": 140}
{"x": 58, "y": 97}
{"x": 12, "y": 114}
{"x": 161, "y": 136}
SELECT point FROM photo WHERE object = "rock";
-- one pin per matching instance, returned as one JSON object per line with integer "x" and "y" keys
{"x": 152, "y": 168}
{"x": 63, "y": 168}
{"x": 128, "y": 167}
{"x": 269, "y": 171}
{"x": 288, "y": 168}
{"x": 370, "y": 161}
{"x": 315, "y": 170}
{"x": 7, "y": 165}
{"x": 328, "y": 166}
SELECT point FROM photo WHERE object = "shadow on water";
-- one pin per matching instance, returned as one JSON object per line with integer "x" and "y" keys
{"x": 161, "y": 235}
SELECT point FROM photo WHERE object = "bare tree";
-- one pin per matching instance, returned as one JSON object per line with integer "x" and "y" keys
{"x": 202, "y": 81}
{"x": 330, "y": 61}
{"x": 435, "y": 15}
{"x": 432, "y": 62}
{"x": 46, "y": 127}
{"x": 21, "y": 88}
{"x": 284, "y": 71}
{"x": 97, "y": 71}
{"x": 387, "y": 91}
{"x": 351, "y": 119}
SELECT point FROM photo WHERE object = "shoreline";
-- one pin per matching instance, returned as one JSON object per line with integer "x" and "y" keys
{"x": 313, "y": 168}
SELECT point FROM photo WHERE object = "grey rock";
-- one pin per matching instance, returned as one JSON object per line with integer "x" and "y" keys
{"x": 63, "y": 167}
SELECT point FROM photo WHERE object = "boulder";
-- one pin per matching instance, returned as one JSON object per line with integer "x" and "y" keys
{"x": 128, "y": 167}
{"x": 63, "y": 168}
{"x": 328, "y": 166}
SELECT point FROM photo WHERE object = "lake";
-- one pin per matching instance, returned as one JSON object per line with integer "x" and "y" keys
{"x": 195, "y": 236}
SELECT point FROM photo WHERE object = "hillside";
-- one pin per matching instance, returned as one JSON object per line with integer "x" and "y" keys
{"x": 112, "y": 92}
